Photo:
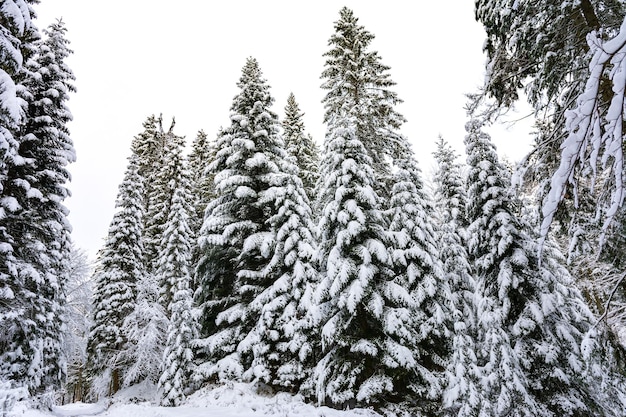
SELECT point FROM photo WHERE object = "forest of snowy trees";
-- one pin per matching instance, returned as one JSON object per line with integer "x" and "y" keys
{"x": 339, "y": 273}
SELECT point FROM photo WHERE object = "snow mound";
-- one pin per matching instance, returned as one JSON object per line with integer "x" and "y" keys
{"x": 78, "y": 409}
{"x": 230, "y": 400}
{"x": 242, "y": 399}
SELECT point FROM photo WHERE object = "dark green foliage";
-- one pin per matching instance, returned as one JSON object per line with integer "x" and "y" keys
{"x": 120, "y": 267}
{"x": 301, "y": 146}
{"x": 236, "y": 239}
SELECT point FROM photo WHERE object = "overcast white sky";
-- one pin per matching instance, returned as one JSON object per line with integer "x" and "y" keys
{"x": 133, "y": 58}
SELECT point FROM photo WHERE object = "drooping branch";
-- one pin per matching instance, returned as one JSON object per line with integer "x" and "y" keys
{"x": 595, "y": 136}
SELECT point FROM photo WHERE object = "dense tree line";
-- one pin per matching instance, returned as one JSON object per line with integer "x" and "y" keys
{"x": 334, "y": 272}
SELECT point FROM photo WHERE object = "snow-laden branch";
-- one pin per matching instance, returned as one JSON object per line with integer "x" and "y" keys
{"x": 595, "y": 136}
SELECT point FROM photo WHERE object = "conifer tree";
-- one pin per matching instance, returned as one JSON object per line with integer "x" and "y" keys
{"x": 16, "y": 357}
{"x": 462, "y": 391}
{"x": 37, "y": 220}
{"x": 202, "y": 181}
{"x": 417, "y": 267}
{"x": 171, "y": 175}
{"x": 364, "y": 315}
{"x": 532, "y": 321}
{"x": 174, "y": 268}
{"x": 236, "y": 239}
{"x": 16, "y": 44}
{"x": 356, "y": 79}
{"x": 301, "y": 145}
{"x": 165, "y": 163}
{"x": 283, "y": 343}
{"x": 120, "y": 268}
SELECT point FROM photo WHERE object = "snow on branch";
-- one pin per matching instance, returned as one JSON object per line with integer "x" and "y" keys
{"x": 595, "y": 135}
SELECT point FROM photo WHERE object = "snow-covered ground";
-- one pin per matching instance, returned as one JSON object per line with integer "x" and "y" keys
{"x": 235, "y": 400}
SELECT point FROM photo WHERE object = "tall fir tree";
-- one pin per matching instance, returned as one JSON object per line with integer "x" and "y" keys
{"x": 236, "y": 239}
{"x": 164, "y": 156}
{"x": 170, "y": 175}
{"x": 174, "y": 269}
{"x": 364, "y": 315}
{"x": 462, "y": 392}
{"x": 532, "y": 321}
{"x": 356, "y": 79}
{"x": 202, "y": 185}
{"x": 283, "y": 343}
{"x": 148, "y": 148}
{"x": 37, "y": 221}
{"x": 17, "y": 40}
{"x": 301, "y": 146}
{"x": 416, "y": 266}
{"x": 120, "y": 267}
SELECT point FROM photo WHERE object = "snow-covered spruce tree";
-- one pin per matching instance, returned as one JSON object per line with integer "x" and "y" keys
{"x": 37, "y": 221}
{"x": 532, "y": 322}
{"x": 301, "y": 145}
{"x": 417, "y": 267}
{"x": 364, "y": 314}
{"x": 171, "y": 175}
{"x": 16, "y": 43}
{"x": 166, "y": 163}
{"x": 284, "y": 343}
{"x": 146, "y": 327}
{"x": 355, "y": 78}
{"x": 236, "y": 240}
{"x": 462, "y": 392}
{"x": 202, "y": 181}
{"x": 174, "y": 268}
{"x": 16, "y": 38}
{"x": 120, "y": 266}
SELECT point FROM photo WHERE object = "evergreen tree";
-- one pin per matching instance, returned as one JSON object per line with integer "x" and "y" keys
{"x": 462, "y": 392}
{"x": 202, "y": 181}
{"x": 175, "y": 258}
{"x": 355, "y": 79}
{"x": 416, "y": 266}
{"x": 171, "y": 175}
{"x": 148, "y": 146}
{"x": 120, "y": 267}
{"x": 283, "y": 343}
{"x": 16, "y": 44}
{"x": 532, "y": 321}
{"x": 37, "y": 220}
{"x": 236, "y": 239}
{"x": 166, "y": 163}
{"x": 301, "y": 146}
{"x": 365, "y": 315}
